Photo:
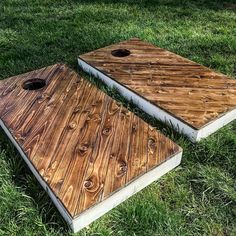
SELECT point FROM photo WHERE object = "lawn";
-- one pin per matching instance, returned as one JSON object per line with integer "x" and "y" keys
{"x": 198, "y": 197}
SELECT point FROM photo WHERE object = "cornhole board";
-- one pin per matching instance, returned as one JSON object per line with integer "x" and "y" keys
{"x": 194, "y": 99}
{"x": 88, "y": 152}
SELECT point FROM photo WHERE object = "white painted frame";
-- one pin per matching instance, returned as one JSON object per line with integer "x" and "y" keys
{"x": 194, "y": 135}
{"x": 124, "y": 193}
{"x": 93, "y": 213}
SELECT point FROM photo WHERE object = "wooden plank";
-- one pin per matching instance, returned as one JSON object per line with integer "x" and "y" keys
{"x": 178, "y": 89}
{"x": 82, "y": 145}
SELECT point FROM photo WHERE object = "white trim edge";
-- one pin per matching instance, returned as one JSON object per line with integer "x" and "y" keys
{"x": 124, "y": 193}
{"x": 193, "y": 134}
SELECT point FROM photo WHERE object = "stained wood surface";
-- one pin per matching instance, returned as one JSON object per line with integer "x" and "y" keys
{"x": 84, "y": 144}
{"x": 189, "y": 91}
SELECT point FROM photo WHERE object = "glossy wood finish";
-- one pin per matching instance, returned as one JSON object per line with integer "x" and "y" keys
{"x": 84, "y": 145}
{"x": 188, "y": 91}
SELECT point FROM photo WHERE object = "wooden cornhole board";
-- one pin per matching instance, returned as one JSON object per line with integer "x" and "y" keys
{"x": 87, "y": 151}
{"x": 194, "y": 99}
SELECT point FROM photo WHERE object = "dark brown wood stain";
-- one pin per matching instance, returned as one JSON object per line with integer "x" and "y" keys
{"x": 189, "y": 91}
{"x": 84, "y": 144}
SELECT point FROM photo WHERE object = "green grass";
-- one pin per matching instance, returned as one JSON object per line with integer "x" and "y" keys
{"x": 199, "y": 197}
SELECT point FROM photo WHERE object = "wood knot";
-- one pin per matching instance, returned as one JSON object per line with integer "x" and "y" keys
{"x": 72, "y": 125}
{"x": 83, "y": 148}
{"x": 88, "y": 184}
{"x": 106, "y": 131}
{"x": 122, "y": 168}
{"x": 134, "y": 128}
{"x": 92, "y": 184}
{"x": 151, "y": 143}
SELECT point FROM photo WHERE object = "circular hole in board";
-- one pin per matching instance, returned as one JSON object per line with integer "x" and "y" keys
{"x": 34, "y": 84}
{"x": 120, "y": 52}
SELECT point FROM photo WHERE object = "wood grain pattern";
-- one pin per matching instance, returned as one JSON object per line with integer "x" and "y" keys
{"x": 84, "y": 144}
{"x": 190, "y": 92}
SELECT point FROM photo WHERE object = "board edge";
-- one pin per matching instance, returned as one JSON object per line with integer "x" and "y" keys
{"x": 98, "y": 210}
{"x": 195, "y": 135}
{"x": 142, "y": 103}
